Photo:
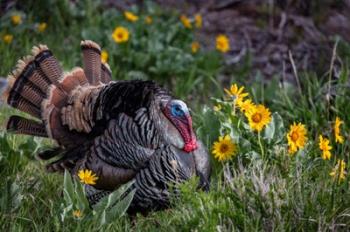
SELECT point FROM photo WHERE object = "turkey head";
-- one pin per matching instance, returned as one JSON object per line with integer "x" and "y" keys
{"x": 177, "y": 125}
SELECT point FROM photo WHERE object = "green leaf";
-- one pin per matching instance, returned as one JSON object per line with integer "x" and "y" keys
{"x": 68, "y": 188}
{"x": 65, "y": 211}
{"x": 112, "y": 206}
{"x": 270, "y": 130}
{"x": 112, "y": 198}
{"x": 120, "y": 208}
{"x": 245, "y": 145}
{"x": 274, "y": 132}
{"x": 209, "y": 130}
{"x": 80, "y": 196}
{"x": 103, "y": 218}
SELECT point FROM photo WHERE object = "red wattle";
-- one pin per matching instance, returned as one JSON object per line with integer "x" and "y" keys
{"x": 190, "y": 146}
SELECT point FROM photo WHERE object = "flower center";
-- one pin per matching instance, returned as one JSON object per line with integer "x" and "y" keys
{"x": 294, "y": 136}
{"x": 256, "y": 117}
{"x": 223, "y": 148}
{"x": 120, "y": 35}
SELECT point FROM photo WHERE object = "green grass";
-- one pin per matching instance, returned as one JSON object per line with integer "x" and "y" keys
{"x": 249, "y": 192}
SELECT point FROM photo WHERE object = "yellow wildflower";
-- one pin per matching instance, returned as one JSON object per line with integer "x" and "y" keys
{"x": 237, "y": 93}
{"x": 258, "y": 117}
{"x": 16, "y": 19}
{"x": 338, "y": 172}
{"x": 87, "y": 177}
{"x": 120, "y": 35}
{"x": 186, "y": 21}
{"x": 148, "y": 19}
{"x": 338, "y": 137}
{"x": 42, "y": 27}
{"x": 217, "y": 108}
{"x": 198, "y": 20}
{"x": 7, "y": 38}
{"x": 77, "y": 213}
{"x": 296, "y": 137}
{"x": 130, "y": 16}
{"x": 224, "y": 148}
{"x": 104, "y": 56}
{"x": 195, "y": 47}
{"x": 245, "y": 105}
{"x": 325, "y": 148}
{"x": 222, "y": 43}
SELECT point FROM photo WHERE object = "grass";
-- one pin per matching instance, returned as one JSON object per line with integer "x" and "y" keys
{"x": 249, "y": 192}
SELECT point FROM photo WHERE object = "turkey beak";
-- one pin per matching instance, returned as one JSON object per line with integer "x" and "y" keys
{"x": 191, "y": 142}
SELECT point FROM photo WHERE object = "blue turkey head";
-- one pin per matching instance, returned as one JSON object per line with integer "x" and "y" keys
{"x": 176, "y": 111}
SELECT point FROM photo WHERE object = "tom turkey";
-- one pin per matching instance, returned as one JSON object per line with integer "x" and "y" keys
{"x": 121, "y": 130}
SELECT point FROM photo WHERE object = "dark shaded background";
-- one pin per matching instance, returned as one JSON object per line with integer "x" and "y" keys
{"x": 263, "y": 32}
{"x": 268, "y": 30}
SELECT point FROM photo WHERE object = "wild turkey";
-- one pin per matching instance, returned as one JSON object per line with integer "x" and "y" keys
{"x": 121, "y": 130}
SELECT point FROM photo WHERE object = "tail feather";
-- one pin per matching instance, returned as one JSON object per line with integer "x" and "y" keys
{"x": 20, "y": 82}
{"x": 48, "y": 63}
{"x": 50, "y": 153}
{"x": 16, "y": 101}
{"x": 31, "y": 93}
{"x": 39, "y": 87}
{"x": 39, "y": 79}
{"x": 67, "y": 160}
{"x": 31, "y": 73}
{"x": 106, "y": 74}
{"x": 22, "y": 125}
{"x": 79, "y": 74}
{"x": 92, "y": 61}
{"x": 73, "y": 79}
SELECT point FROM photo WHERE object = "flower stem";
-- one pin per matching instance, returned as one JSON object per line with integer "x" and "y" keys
{"x": 234, "y": 108}
{"x": 261, "y": 146}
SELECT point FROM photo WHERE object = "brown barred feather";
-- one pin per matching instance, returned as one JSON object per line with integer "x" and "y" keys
{"x": 31, "y": 93}
{"x": 39, "y": 79}
{"x": 20, "y": 125}
{"x": 18, "y": 102}
{"x": 106, "y": 73}
{"x": 92, "y": 61}
{"x": 48, "y": 63}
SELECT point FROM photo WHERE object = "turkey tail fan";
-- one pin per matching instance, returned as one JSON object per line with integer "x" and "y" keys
{"x": 32, "y": 85}
{"x": 26, "y": 126}
{"x": 92, "y": 61}
{"x": 30, "y": 80}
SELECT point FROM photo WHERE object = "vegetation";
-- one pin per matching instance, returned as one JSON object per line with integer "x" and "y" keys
{"x": 272, "y": 175}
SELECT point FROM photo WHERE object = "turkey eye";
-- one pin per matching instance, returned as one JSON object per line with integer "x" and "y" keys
{"x": 177, "y": 111}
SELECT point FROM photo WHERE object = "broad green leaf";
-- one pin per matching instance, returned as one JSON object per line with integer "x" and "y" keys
{"x": 68, "y": 188}
{"x": 274, "y": 131}
{"x": 80, "y": 195}
{"x": 65, "y": 211}
{"x": 103, "y": 218}
{"x": 112, "y": 198}
{"x": 121, "y": 207}
{"x": 269, "y": 131}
